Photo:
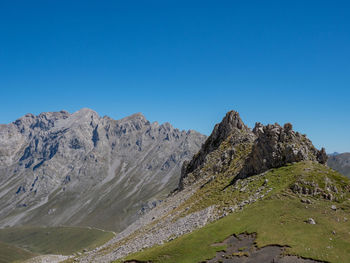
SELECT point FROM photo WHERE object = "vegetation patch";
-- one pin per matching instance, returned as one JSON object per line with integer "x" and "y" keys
{"x": 11, "y": 253}
{"x": 53, "y": 240}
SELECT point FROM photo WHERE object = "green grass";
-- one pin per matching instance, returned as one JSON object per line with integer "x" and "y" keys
{"x": 10, "y": 253}
{"x": 277, "y": 219}
{"x": 54, "y": 240}
{"x": 278, "y": 179}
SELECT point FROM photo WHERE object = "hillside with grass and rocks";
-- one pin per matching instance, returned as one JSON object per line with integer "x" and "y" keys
{"x": 249, "y": 195}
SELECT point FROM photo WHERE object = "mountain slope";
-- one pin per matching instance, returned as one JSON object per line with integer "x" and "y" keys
{"x": 279, "y": 218}
{"x": 270, "y": 181}
{"x": 340, "y": 163}
{"x": 82, "y": 169}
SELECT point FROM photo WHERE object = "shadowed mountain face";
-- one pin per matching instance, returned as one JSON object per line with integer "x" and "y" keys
{"x": 340, "y": 162}
{"x": 80, "y": 169}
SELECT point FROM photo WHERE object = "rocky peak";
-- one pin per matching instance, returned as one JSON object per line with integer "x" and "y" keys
{"x": 266, "y": 146}
{"x": 276, "y": 146}
{"x": 136, "y": 116}
{"x": 133, "y": 122}
{"x": 231, "y": 122}
{"x": 231, "y": 129}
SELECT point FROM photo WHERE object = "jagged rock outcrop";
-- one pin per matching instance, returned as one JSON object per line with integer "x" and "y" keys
{"x": 82, "y": 169}
{"x": 260, "y": 149}
{"x": 276, "y": 146}
{"x": 230, "y": 129}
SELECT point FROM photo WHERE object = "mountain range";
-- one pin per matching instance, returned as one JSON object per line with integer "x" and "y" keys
{"x": 81, "y": 169}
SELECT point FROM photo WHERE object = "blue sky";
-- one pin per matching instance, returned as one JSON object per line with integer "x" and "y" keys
{"x": 186, "y": 62}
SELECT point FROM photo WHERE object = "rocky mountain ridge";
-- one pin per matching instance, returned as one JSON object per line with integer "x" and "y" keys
{"x": 82, "y": 169}
{"x": 269, "y": 146}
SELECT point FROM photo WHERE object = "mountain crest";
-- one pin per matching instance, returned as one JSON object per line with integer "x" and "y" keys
{"x": 265, "y": 147}
{"x": 276, "y": 146}
{"x": 231, "y": 129}
{"x": 83, "y": 161}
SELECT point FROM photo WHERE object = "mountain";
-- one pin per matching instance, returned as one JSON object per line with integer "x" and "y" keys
{"x": 81, "y": 169}
{"x": 333, "y": 154}
{"x": 261, "y": 195}
{"x": 340, "y": 163}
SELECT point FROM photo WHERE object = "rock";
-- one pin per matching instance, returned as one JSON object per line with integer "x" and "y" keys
{"x": 288, "y": 127}
{"x": 307, "y": 201}
{"x": 311, "y": 221}
{"x": 322, "y": 156}
{"x": 276, "y": 146}
{"x": 333, "y": 207}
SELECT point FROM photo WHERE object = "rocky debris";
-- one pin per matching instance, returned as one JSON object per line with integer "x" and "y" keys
{"x": 329, "y": 192}
{"x": 333, "y": 207}
{"x": 159, "y": 225}
{"x": 83, "y": 162}
{"x": 306, "y": 201}
{"x": 145, "y": 208}
{"x": 311, "y": 221}
{"x": 48, "y": 259}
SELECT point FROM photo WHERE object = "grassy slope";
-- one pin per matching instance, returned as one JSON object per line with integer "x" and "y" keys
{"x": 10, "y": 253}
{"x": 277, "y": 219}
{"x": 53, "y": 240}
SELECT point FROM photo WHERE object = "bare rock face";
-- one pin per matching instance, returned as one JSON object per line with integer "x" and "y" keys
{"x": 276, "y": 146}
{"x": 82, "y": 169}
{"x": 258, "y": 150}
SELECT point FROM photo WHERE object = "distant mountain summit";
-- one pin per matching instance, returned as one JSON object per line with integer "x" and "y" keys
{"x": 59, "y": 168}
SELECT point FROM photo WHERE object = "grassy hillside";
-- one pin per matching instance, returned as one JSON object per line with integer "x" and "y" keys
{"x": 48, "y": 240}
{"x": 10, "y": 253}
{"x": 279, "y": 218}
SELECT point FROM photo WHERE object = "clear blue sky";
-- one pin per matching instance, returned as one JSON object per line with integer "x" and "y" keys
{"x": 186, "y": 62}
